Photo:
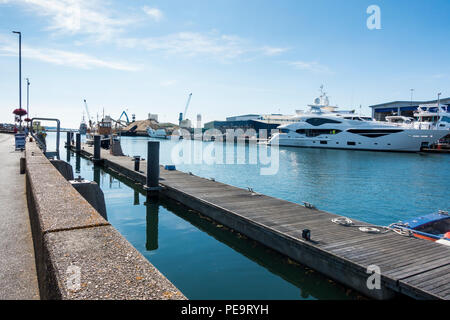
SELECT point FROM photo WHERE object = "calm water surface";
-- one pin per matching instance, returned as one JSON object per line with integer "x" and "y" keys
{"x": 208, "y": 261}
{"x": 377, "y": 187}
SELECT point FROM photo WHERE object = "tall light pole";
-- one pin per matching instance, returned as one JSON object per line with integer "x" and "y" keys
{"x": 20, "y": 68}
{"x": 20, "y": 112}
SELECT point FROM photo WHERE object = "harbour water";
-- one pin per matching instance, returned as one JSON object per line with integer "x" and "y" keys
{"x": 376, "y": 187}
{"x": 207, "y": 261}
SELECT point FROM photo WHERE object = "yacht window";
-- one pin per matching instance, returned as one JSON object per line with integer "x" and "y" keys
{"x": 320, "y": 121}
{"x": 317, "y": 132}
{"x": 284, "y": 130}
{"x": 374, "y": 133}
{"x": 323, "y": 142}
{"x": 351, "y": 143}
{"x": 445, "y": 119}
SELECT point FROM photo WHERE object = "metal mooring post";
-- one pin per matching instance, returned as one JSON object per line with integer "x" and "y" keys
{"x": 78, "y": 142}
{"x": 152, "y": 186}
{"x": 97, "y": 146}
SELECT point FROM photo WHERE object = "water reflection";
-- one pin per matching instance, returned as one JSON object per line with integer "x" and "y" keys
{"x": 136, "y": 198}
{"x": 310, "y": 284}
{"x": 97, "y": 171}
{"x": 78, "y": 163}
{"x": 68, "y": 155}
{"x": 152, "y": 206}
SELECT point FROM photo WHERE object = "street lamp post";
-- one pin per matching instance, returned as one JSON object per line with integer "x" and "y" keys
{"x": 20, "y": 73}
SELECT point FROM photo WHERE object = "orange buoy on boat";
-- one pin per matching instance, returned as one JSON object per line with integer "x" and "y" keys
{"x": 447, "y": 235}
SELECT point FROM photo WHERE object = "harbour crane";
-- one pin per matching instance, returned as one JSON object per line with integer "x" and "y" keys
{"x": 126, "y": 116}
{"x": 87, "y": 111}
{"x": 183, "y": 115}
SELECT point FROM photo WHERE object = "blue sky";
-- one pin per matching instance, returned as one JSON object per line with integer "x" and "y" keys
{"x": 236, "y": 57}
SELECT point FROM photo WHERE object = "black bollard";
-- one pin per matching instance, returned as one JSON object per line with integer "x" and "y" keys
{"x": 137, "y": 161}
{"x": 78, "y": 142}
{"x": 152, "y": 186}
{"x": 97, "y": 146}
{"x": 22, "y": 165}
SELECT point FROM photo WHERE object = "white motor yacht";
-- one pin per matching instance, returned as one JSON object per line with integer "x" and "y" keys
{"x": 322, "y": 128}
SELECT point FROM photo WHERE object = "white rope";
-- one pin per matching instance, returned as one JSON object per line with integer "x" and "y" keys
{"x": 344, "y": 221}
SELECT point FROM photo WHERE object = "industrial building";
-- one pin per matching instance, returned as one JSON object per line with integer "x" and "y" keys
{"x": 403, "y": 108}
{"x": 250, "y": 121}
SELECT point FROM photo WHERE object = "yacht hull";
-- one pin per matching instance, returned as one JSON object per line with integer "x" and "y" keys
{"x": 406, "y": 141}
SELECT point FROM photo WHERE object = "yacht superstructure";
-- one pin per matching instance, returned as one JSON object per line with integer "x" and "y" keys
{"x": 430, "y": 116}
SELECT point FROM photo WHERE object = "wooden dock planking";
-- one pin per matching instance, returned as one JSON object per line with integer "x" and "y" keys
{"x": 415, "y": 267}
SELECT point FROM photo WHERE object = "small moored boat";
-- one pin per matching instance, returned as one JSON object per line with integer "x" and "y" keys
{"x": 158, "y": 133}
{"x": 433, "y": 227}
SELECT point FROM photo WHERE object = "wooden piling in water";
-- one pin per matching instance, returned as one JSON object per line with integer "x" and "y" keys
{"x": 78, "y": 142}
{"x": 152, "y": 185}
{"x": 97, "y": 146}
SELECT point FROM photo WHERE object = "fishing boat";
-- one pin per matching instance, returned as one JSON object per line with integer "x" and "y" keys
{"x": 83, "y": 126}
{"x": 104, "y": 129}
{"x": 434, "y": 227}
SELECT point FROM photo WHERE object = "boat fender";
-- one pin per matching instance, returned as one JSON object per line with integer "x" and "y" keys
{"x": 447, "y": 235}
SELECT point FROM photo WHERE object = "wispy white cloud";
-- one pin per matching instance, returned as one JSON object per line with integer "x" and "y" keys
{"x": 95, "y": 20}
{"x": 168, "y": 83}
{"x": 439, "y": 76}
{"x": 63, "y": 58}
{"x": 313, "y": 66}
{"x": 212, "y": 44}
{"x": 88, "y": 17}
{"x": 272, "y": 51}
{"x": 153, "y": 13}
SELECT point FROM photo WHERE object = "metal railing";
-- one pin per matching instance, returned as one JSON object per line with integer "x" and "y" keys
{"x": 42, "y": 144}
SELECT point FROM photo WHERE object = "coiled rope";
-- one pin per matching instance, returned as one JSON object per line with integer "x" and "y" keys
{"x": 397, "y": 228}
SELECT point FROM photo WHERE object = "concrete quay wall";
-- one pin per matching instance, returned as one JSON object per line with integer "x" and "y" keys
{"x": 79, "y": 255}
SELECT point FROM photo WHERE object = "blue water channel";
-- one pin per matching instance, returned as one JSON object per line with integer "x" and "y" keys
{"x": 208, "y": 261}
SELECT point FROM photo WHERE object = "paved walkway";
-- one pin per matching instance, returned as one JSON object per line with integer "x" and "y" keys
{"x": 18, "y": 279}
